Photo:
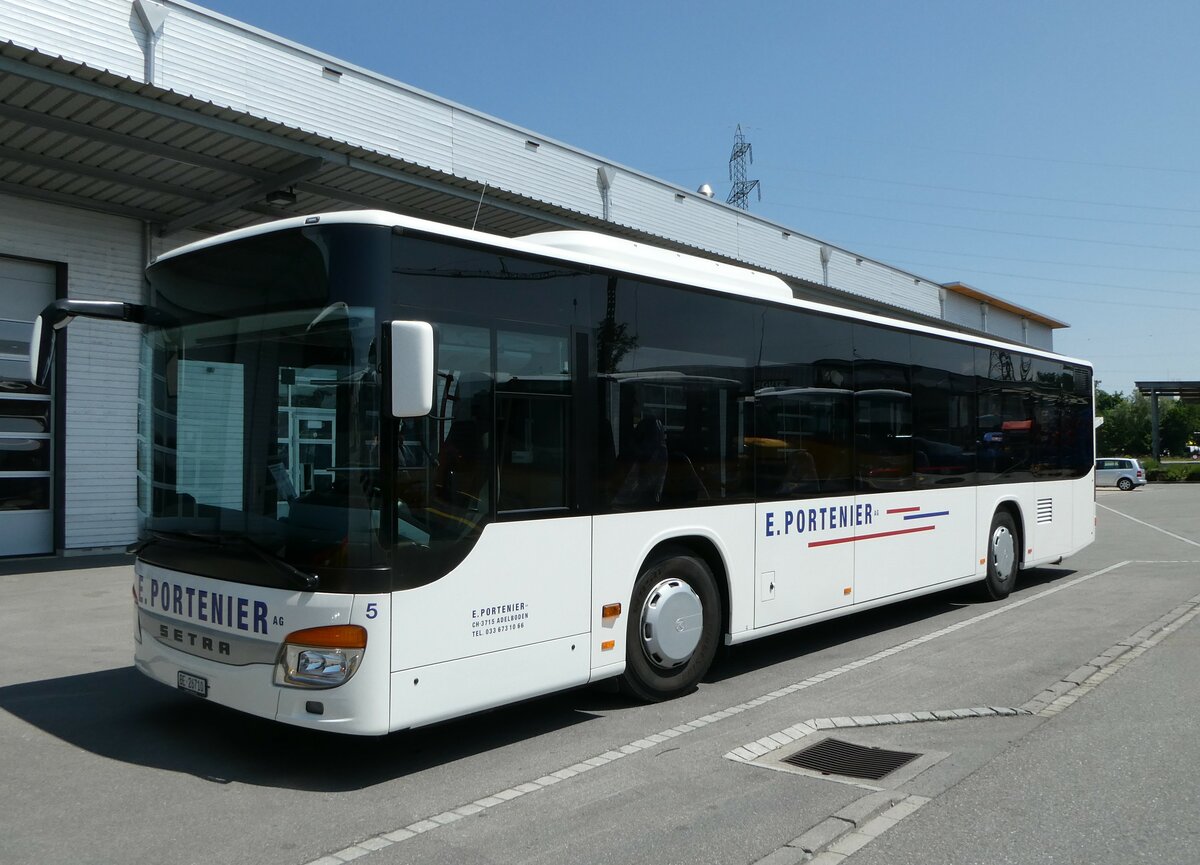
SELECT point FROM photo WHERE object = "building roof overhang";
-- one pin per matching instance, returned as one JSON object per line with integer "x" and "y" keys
{"x": 999, "y": 303}
{"x": 87, "y": 138}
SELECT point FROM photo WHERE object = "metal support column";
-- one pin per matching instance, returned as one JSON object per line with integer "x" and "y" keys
{"x": 1154, "y": 424}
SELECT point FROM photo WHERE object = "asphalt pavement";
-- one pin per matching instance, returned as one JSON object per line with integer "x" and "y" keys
{"x": 1058, "y": 726}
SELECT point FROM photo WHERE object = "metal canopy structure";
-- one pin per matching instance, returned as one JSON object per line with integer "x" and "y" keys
{"x": 1187, "y": 391}
{"x": 82, "y": 137}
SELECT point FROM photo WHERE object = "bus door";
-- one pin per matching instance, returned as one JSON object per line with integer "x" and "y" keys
{"x": 804, "y": 550}
{"x": 493, "y": 560}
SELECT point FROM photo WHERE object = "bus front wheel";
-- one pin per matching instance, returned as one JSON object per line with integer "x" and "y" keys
{"x": 1003, "y": 558}
{"x": 673, "y": 629}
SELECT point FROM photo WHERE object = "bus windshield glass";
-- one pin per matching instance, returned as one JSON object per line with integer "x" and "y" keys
{"x": 259, "y": 436}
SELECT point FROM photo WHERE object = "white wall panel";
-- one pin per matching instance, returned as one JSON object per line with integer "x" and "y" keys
{"x": 101, "y": 33}
{"x": 765, "y": 245}
{"x": 963, "y": 310}
{"x": 229, "y": 64}
{"x": 503, "y": 156}
{"x": 103, "y": 259}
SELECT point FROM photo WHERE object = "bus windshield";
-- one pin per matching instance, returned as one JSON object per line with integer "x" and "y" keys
{"x": 259, "y": 434}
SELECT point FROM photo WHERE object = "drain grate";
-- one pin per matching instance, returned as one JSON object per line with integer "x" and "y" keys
{"x": 835, "y": 757}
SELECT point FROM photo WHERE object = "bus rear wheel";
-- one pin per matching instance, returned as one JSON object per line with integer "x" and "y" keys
{"x": 1003, "y": 558}
{"x": 673, "y": 629}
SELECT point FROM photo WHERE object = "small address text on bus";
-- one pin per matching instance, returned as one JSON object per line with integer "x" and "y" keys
{"x": 498, "y": 619}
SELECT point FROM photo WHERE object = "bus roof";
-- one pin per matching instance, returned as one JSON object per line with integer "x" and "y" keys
{"x": 604, "y": 251}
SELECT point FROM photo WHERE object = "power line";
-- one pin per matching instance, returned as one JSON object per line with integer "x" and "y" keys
{"x": 1052, "y": 159}
{"x": 1185, "y": 293}
{"x": 992, "y": 210}
{"x": 1085, "y": 201}
{"x": 1089, "y": 301}
{"x": 998, "y": 230}
{"x": 860, "y": 245}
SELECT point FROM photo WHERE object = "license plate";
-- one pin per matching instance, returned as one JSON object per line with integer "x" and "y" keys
{"x": 197, "y": 685}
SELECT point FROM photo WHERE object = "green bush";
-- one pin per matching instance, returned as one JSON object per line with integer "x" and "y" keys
{"x": 1172, "y": 474}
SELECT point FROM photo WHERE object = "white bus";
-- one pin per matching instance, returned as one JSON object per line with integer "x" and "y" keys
{"x": 394, "y": 472}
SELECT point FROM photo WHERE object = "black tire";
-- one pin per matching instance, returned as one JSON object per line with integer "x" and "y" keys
{"x": 676, "y": 581}
{"x": 1125, "y": 484}
{"x": 1003, "y": 557}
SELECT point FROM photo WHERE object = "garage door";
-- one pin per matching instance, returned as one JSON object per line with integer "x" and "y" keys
{"x": 26, "y": 413}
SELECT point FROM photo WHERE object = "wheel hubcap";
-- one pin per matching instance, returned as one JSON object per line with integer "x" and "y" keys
{"x": 1004, "y": 552}
{"x": 672, "y": 622}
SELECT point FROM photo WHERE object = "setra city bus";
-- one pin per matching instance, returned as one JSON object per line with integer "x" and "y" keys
{"x": 393, "y": 472}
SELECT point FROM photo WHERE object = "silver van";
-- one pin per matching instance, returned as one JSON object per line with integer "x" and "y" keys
{"x": 1123, "y": 473}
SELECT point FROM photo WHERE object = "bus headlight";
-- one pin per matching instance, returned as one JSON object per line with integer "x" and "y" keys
{"x": 320, "y": 657}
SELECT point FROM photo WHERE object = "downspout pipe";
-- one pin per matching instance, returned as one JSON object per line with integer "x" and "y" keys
{"x": 153, "y": 17}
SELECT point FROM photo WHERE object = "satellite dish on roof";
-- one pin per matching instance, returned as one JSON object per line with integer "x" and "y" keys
{"x": 705, "y": 190}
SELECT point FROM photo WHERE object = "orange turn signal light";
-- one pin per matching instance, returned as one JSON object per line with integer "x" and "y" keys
{"x": 610, "y": 611}
{"x": 330, "y": 637}
{"x": 607, "y": 645}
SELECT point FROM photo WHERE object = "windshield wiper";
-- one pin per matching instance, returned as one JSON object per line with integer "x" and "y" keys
{"x": 300, "y": 579}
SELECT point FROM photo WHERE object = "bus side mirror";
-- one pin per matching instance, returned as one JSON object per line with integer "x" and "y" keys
{"x": 59, "y": 314}
{"x": 41, "y": 350}
{"x": 412, "y": 370}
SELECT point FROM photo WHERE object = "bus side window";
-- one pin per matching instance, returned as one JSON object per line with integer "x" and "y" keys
{"x": 533, "y": 399}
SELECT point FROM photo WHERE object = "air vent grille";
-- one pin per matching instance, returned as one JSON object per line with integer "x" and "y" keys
{"x": 1045, "y": 510}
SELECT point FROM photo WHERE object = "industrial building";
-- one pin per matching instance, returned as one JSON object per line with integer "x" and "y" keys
{"x": 129, "y": 128}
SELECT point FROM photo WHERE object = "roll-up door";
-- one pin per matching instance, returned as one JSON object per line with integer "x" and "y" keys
{"x": 26, "y": 415}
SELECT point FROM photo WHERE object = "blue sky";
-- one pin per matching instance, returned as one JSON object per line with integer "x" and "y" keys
{"x": 1044, "y": 152}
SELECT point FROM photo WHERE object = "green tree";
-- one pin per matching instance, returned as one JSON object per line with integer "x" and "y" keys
{"x": 1177, "y": 421}
{"x": 1126, "y": 428}
{"x": 1106, "y": 402}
